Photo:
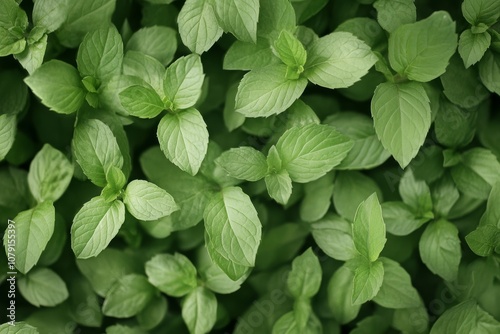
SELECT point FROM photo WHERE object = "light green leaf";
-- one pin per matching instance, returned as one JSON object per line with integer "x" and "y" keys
{"x": 483, "y": 240}
{"x": 492, "y": 214}
{"x": 11, "y": 14}
{"x": 396, "y": 290}
{"x": 400, "y": 219}
{"x": 279, "y": 186}
{"x": 267, "y": 91}
{"x": 183, "y": 138}
{"x": 317, "y": 198}
{"x": 402, "y": 118}
{"x": 368, "y": 278}
{"x": 333, "y": 235}
{"x": 128, "y": 296}
{"x": 415, "y": 193}
{"x": 58, "y": 85}
{"x": 11, "y": 43}
{"x": 239, "y": 18}
{"x": 198, "y": 25}
{"x": 420, "y": 51}
{"x": 243, "y": 163}
{"x": 392, "y": 14}
{"x": 95, "y": 225}
{"x": 233, "y": 270}
{"x": 156, "y": 41}
{"x": 8, "y": 130}
{"x": 440, "y": 249}
{"x": 183, "y": 82}
{"x": 141, "y": 101}
{"x": 100, "y": 54}
{"x": 43, "y": 287}
{"x": 233, "y": 226}
{"x": 50, "y": 14}
{"x": 95, "y": 149}
{"x": 20, "y": 328}
{"x": 290, "y": 323}
{"x": 108, "y": 93}
{"x": 368, "y": 229}
{"x": 217, "y": 281}
{"x": 50, "y": 174}
{"x": 147, "y": 68}
{"x": 472, "y": 47}
{"x": 33, "y": 229}
{"x": 489, "y": 71}
{"x": 146, "y": 201}
{"x": 32, "y": 56}
{"x": 249, "y": 56}
{"x": 174, "y": 275}
{"x": 444, "y": 195}
{"x": 304, "y": 279}
{"x": 275, "y": 16}
{"x": 291, "y": 51}
{"x": 340, "y": 291}
{"x": 199, "y": 310}
{"x": 332, "y": 66}
{"x": 309, "y": 152}
{"x": 153, "y": 314}
{"x": 481, "y": 11}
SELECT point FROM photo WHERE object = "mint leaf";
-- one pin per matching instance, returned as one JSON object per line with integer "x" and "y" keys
{"x": 217, "y": 281}
{"x": 439, "y": 249}
{"x": 95, "y": 149}
{"x": 304, "y": 279}
{"x": 58, "y": 85}
{"x": 243, "y": 163}
{"x": 338, "y": 60}
{"x": 396, "y": 290}
{"x": 492, "y": 214}
{"x": 444, "y": 196}
{"x": 481, "y": 11}
{"x": 392, "y": 14}
{"x": 20, "y": 327}
{"x": 50, "y": 174}
{"x": 12, "y": 15}
{"x": 415, "y": 193}
{"x": 368, "y": 229}
{"x": 100, "y": 54}
{"x": 333, "y": 235}
{"x": 199, "y": 310}
{"x": 454, "y": 126}
{"x": 147, "y": 68}
{"x": 157, "y": 41}
{"x": 33, "y": 229}
{"x": 174, "y": 275}
{"x": 483, "y": 240}
{"x": 95, "y": 225}
{"x": 268, "y": 91}
{"x": 275, "y": 16}
{"x": 400, "y": 219}
{"x": 309, "y": 152}
{"x": 10, "y": 43}
{"x": 198, "y": 25}
{"x": 128, "y": 296}
{"x": 183, "y": 138}
{"x": 13, "y": 92}
{"x": 233, "y": 270}
{"x": 402, "y": 118}
{"x": 153, "y": 314}
{"x": 489, "y": 71}
{"x": 231, "y": 216}
{"x": 146, "y": 201}
{"x": 141, "y": 101}
{"x": 239, "y": 18}
{"x": 472, "y": 47}
{"x": 43, "y": 287}
{"x": 289, "y": 323}
{"x": 340, "y": 291}
{"x": 420, "y": 51}
{"x": 249, "y": 56}
{"x": 368, "y": 278}
{"x": 50, "y": 14}
{"x": 317, "y": 198}
{"x": 8, "y": 129}
{"x": 279, "y": 186}
{"x": 183, "y": 82}
{"x": 291, "y": 51}
{"x": 31, "y": 58}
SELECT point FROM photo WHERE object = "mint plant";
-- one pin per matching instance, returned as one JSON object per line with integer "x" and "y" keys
{"x": 224, "y": 166}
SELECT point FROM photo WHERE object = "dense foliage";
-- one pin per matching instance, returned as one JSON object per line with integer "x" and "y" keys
{"x": 250, "y": 166}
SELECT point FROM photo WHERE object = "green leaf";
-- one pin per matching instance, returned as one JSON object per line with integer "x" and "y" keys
{"x": 233, "y": 226}
{"x": 32, "y": 56}
{"x": 331, "y": 66}
{"x": 249, "y": 56}
{"x": 8, "y": 130}
{"x": 402, "y": 118}
{"x": 100, "y": 54}
{"x": 368, "y": 229}
{"x": 243, "y": 163}
{"x": 275, "y": 16}
{"x": 82, "y": 17}
{"x": 33, "y": 229}
{"x": 50, "y": 14}
{"x": 476, "y": 173}
{"x": 239, "y": 18}
{"x": 366, "y": 29}
{"x": 198, "y": 25}
{"x": 10, "y": 43}
{"x": 233, "y": 270}
{"x": 21, "y": 327}
{"x": 156, "y": 41}
{"x": 492, "y": 214}
{"x": 481, "y": 11}
{"x": 147, "y": 68}
{"x": 183, "y": 82}
{"x": 392, "y": 14}
{"x": 420, "y": 51}
{"x": 489, "y": 71}
{"x": 58, "y": 85}
{"x": 199, "y": 310}
{"x": 128, "y": 296}
{"x": 50, "y": 174}
{"x": 439, "y": 249}
{"x": 472, "y": 47}
{"x": 174, "y": 275}
{"x": 309, "y": 152}
{"x": 13, "y": 92}
{"x": 304, "y": 279}
{"x": 415, "y": 193}
{"x": 317, "y": 198}
{"x": 11, "y": 14}
{"x": 483, "y": 240}
{"x": 400, "y": 219}
{"x": 291, "y": 51}
{"x": 95, "y": 225}
{"x": 153, "y": 314}
{"x": 141, "y": 101}
{"x": 333, "y": 235}
{"x": 289, "y": 323}
{"x": 454, "y": 126}
{"x": 183, "y": 138}
{"x": 340, "y": 291}
{"x": 146, "y": 201}
{"x": 444, "y": 196}
{"x": 396, "y": 290}
{"x": 279, "y": 186}
{"x": 43, "y": 287}
{"x": 368, "y": 278}
{"x": 267, "y": 91}
{"x": 217, "y": 281}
